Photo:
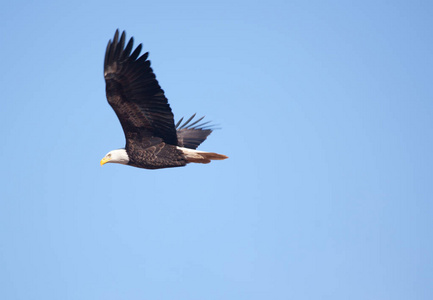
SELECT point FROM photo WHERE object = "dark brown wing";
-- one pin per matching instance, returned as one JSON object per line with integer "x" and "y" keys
{"x": 134, "y": 93}
{"x": 192, "y": 135}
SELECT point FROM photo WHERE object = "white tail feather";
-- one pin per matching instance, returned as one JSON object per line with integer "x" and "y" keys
{"x": 201, "y": 157}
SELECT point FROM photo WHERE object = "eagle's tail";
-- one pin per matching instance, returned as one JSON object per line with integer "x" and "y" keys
{"x": 201, "y": 157}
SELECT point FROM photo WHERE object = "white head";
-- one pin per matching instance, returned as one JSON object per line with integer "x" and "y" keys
{"x": 118, "y": 156}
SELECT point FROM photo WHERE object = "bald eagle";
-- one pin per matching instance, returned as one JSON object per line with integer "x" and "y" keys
{"x": 153, "y": 141}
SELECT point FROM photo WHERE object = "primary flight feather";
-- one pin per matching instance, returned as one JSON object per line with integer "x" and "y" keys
{"x": 152, "y": 139}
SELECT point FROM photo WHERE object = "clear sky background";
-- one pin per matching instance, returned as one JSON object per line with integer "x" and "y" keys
{"x": 325, "y": 109}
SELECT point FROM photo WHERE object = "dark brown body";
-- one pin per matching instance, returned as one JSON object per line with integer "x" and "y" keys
{"x": 157, "y": 156}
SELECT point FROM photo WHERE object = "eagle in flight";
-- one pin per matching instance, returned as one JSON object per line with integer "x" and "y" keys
{"x": 153, "y": 141}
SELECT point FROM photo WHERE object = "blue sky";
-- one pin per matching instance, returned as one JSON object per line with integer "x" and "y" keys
{"x": 325, "y": 109}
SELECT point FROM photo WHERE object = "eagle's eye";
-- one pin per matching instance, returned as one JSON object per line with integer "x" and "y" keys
{"x": 109, "y": 155}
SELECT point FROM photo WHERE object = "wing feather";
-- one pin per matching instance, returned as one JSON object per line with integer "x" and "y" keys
{"x": 135, "y": 94}
{"x": 192, "y": 135}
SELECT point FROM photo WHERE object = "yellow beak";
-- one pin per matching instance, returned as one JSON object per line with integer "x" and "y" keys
{"x": 104, "y": 161}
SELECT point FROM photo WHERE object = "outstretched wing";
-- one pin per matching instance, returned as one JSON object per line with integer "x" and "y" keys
{"x": 192, "y": 135}
{"x": 134, "y": 93}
